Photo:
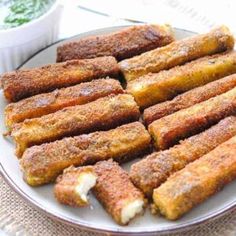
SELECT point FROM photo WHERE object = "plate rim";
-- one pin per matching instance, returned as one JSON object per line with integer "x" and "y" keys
{"x": 87, "y": 226}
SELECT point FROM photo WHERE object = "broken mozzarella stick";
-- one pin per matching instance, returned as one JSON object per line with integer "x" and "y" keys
{"x": 42, "y": 164}
{"x": 101, "y": 114}
{"x": 150, "y": 172}
{"x": 189, "y": 98}
{"x": 73, "y": 185}
{"x": 165, "y": 85}
{"x": 43, "y": 104}
{"x": 122, "y": 44}
{"x": 197, "y": 181}
{"x": 177, "y": 53}
{"x": 28, "y": 82}
{"x": 170, "y": 129}
{"x": 121, "y": 199}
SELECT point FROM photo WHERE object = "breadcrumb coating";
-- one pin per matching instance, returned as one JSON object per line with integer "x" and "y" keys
{"x": 177, "y": 53}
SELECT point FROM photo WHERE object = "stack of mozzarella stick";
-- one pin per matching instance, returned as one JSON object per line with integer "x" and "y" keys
{"x": 74, "y": 122}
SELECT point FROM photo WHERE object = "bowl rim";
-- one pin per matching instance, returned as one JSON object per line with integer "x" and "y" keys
{"x": 54, "y": 6}
{"x": 231, "y": 207}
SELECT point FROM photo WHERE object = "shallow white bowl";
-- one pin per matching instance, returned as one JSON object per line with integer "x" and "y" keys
{"x": 95, "y": 218}
{"x": 19, "y": 43}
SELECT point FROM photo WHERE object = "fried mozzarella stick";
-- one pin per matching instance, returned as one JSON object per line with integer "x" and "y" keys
{"x": 122, "y": 44}
{"x": 73, "y": 185}
{"x": 43, "y": 104}
{"x": 25, "y": 83}
{"x": 152, "y": 171}
{"x": 197, "y": 181}
{"x": 184, "y": 123}
{"x": 42, "y": 164}
{"x": 101, "y": 114}
{"x": 189, "y": 98}
{"x": 121, "y": 199}
{"x": 154, "y": 88}
{"x": 177, "y": 53}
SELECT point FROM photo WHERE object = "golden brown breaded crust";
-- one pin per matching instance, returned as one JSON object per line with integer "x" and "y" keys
{"x": 25, "y": 83}
{"x": 43, "y": 104}
{"x": 154, "y": 88}
{"x": 114, "y": 188}
{"x": 184, "y": 123}
{"x": 122, "y": 44}
{"x": 152, "y": 171}
{"x": 101, "y": 114}
{"x": 189, "y": 98}
{"x": 65, "y": 187}
{"x": 177, "y": 53}
{"x": 197, "y": 181}
{"x": 42, "y": 164}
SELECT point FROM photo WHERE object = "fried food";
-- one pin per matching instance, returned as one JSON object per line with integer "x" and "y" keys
{"x": 177, "y": 53}
{"x": 42, "y": 164}
{"x": 121, "y": 199}
{"x": 197, "y": 181}
{"x": 43, "y": 104}
{"x": 189, "y": 98}
{"x": 122, "y": 44}
{"x": 73, "y": 186}
{"x": 25, "y": 83}
{"x": 154, "y": 88}
{"x": 184, "y": 123}
{"x": 152, "y": 171}
{"x": 101, "y": 114}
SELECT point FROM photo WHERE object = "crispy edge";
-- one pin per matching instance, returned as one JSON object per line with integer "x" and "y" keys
{"x": 42, "y": 164}
{"x": 65, "y": 187}
{"x": 197, "y": 181}
{"x": 103, "y": 114}
{"x": 184, "y": 123}
{"x": 114, "y": 188}
{"x": 28, "y": 82}
{"x": 122, "y": 44}
{"x": 43, "y": 104}
{"x": 189, "y": 98}
{"x": 165, "y": 85}
{"x": 152, "y": 171}
{"x": 177, "y": 53}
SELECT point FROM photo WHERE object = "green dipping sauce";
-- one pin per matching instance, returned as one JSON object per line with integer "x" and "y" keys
{"x": 14, "y": 13}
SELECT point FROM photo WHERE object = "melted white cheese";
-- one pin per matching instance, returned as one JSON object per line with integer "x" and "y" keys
{"x": 85, "y": 182}
{"x": 131, "y": 209}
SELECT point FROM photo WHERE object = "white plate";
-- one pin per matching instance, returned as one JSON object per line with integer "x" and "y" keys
{"x": 95, "y": 218}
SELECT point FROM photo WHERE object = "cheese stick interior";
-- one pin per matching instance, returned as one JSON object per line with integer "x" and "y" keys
{"x": 43, "y": 104}
{"x": 197, "y": 181}
{"x": 28, "y": 82}
{"x": 150, "y": 172}
{"x": 189, "y": 98}
{"x": 177, "y": 53}
{"x": 121, "y": 199}
{"x": 101, "y": 114}
{"x": 184, "y": 123}
{"x": 122, "y": 44}
{"x": 42, "y": 164}
{"x": 154, "y": 88}
{"x": 73, "y": 186}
